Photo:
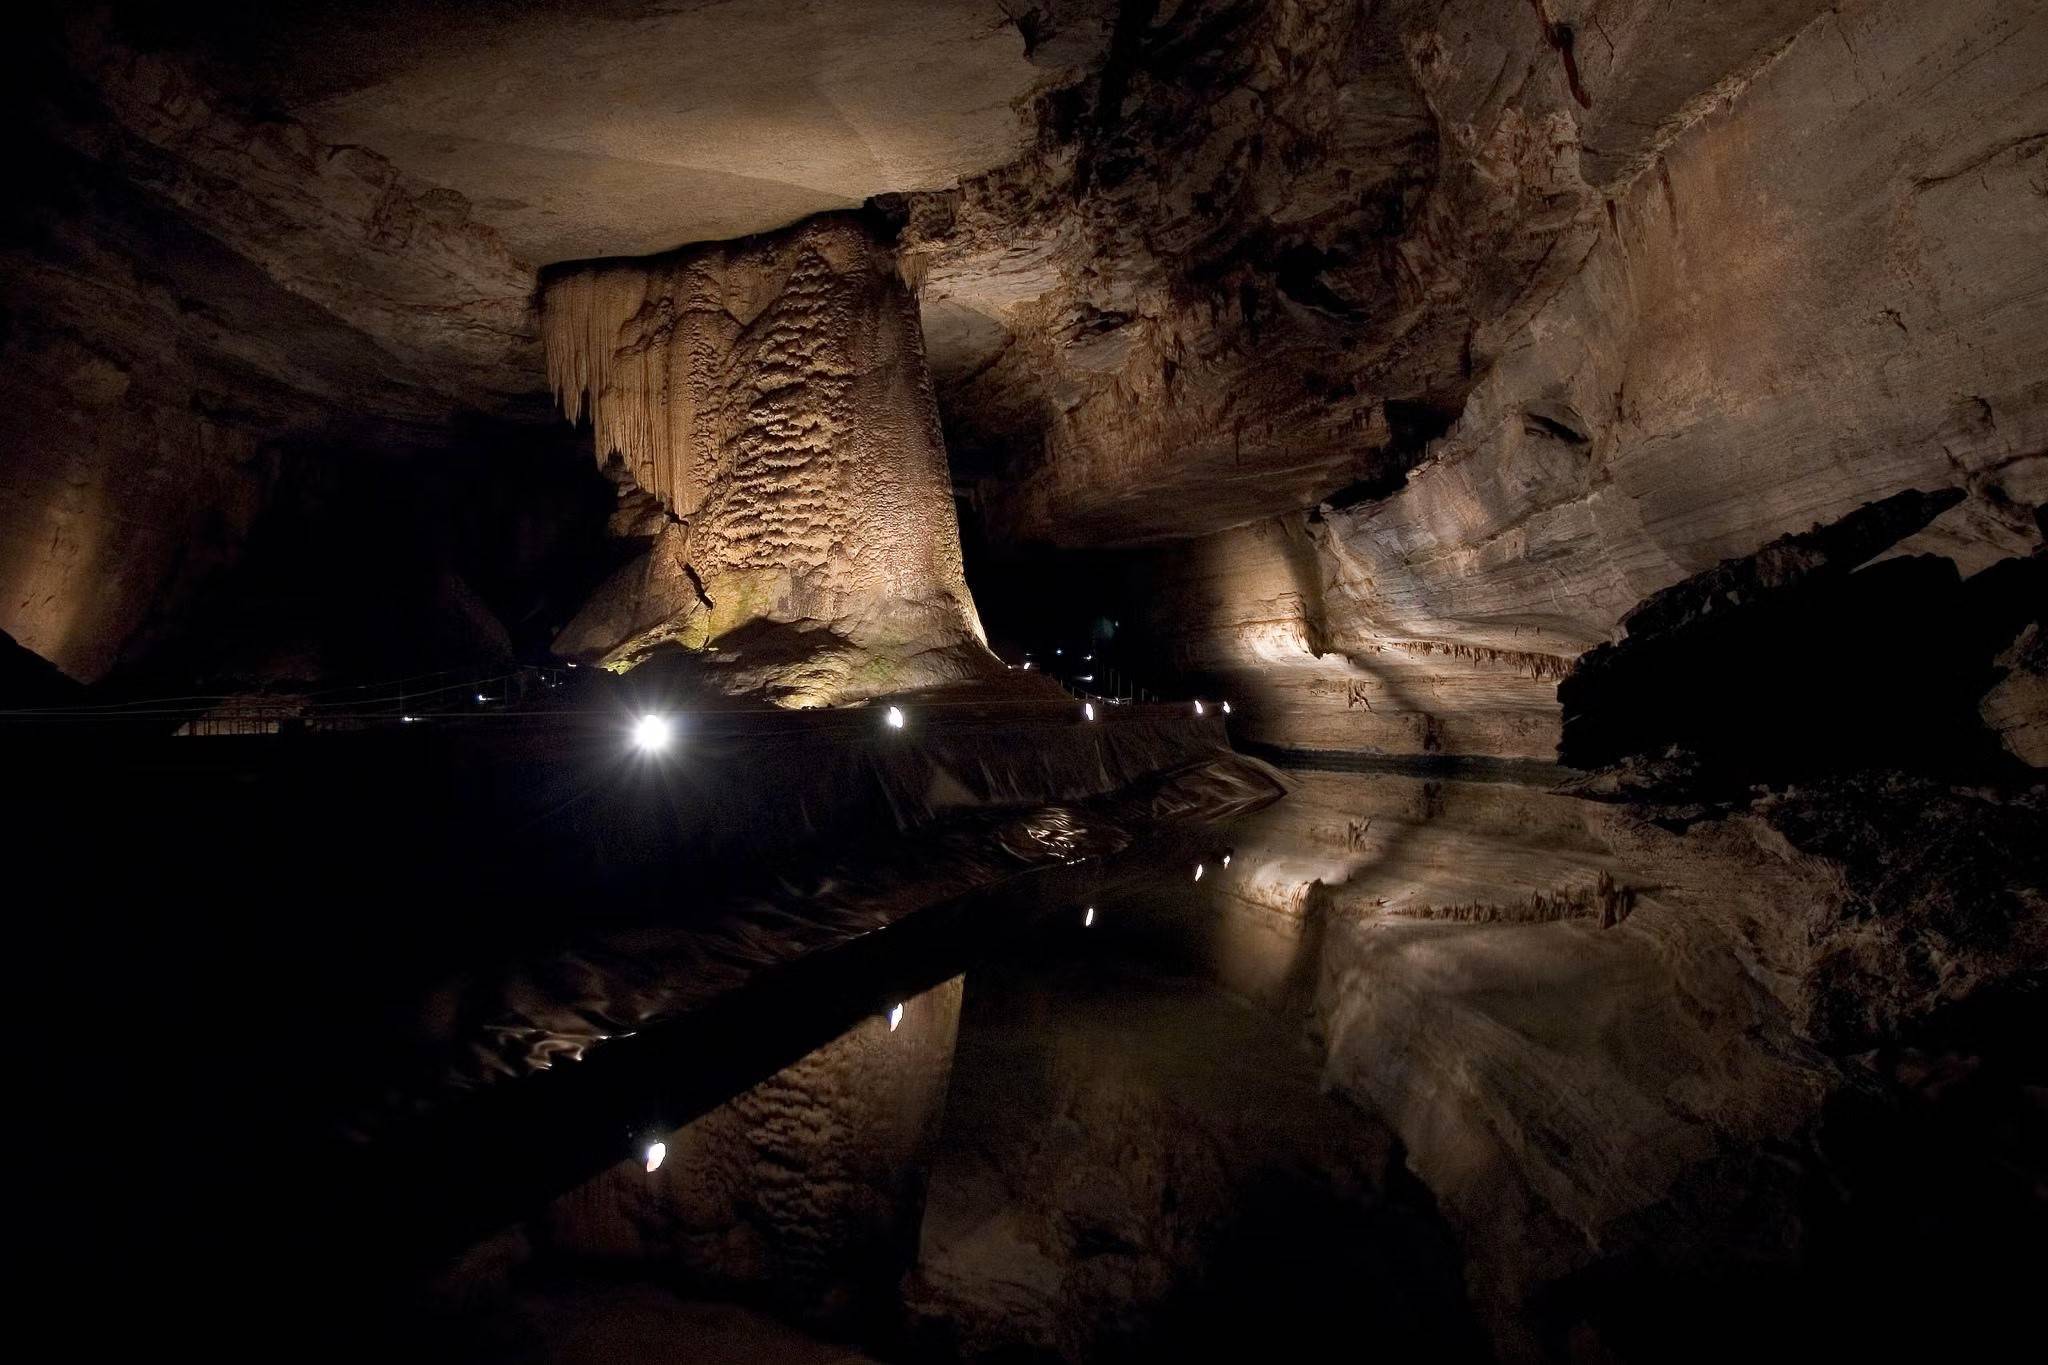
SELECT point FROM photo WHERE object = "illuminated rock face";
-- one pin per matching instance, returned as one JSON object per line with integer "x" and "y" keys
{"x": 772, "y": 394}
{"x": 1801, "y": 304}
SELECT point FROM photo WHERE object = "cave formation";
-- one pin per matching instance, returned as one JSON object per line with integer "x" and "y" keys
{"x": 971, "y": 680}
{"x": 771, "y": 397}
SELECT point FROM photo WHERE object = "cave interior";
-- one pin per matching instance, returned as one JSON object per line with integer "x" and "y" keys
{"x": 1027, "y": 680}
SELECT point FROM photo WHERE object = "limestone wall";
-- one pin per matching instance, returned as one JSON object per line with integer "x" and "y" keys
{"x": 1828, "y": 289}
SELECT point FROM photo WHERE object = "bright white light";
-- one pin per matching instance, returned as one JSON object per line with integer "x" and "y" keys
{"x": 408, "y": 720}
{"x": 1087, "y": 658}
{"x": 481, "y": 697}
{"x": 1226, "y": 860}
{"x": 895, "y": 1017}
{"x": 1059, "y": 651}
{"x": 1088, "y": 918}
{"x": 1198, "y": 708}
{"x": 1226, "y": 708}
{"x": 895, "y": 718}
{"x": 651, "y": 733}
{"x": 1198, "y": 872}
{"x": 1088, "y": 709}
{"x": 1027, "y": 663}
{"x": 655, "y": 1152}
{"x": 1086, "y": 677}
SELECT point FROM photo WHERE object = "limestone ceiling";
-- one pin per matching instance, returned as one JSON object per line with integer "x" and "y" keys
{"x": 599, "y": 127}
{"x": 1185, "y": 264}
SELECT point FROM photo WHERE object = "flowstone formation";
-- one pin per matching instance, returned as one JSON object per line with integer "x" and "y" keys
{"x": 771, "y": 395}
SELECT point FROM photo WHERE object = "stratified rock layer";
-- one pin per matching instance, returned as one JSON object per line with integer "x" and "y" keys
{"x": 772, "y": 394}
{"x": 1647, "y": 288}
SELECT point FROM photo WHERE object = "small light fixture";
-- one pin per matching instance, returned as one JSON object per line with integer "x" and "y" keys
{"x": 656, "y": 1153}
{"x": 1226, "y": 708}
{"x": 408, "y": 720}
{"x": 1226, "y": 860}
{"x": 481, "y": 698}
{"x": 895, "y": 1016}
{"x": 1089, "y": 918}
{"x": 1198, "y": 872}
{"x": 1198, "y": 708}
{"x": 1059, "y": 651}
{"x": 1027, "y": 663}
{"x": 651, "y": 733}
{"x": 1088, "y": 709}
{"x": 895, "y": 718}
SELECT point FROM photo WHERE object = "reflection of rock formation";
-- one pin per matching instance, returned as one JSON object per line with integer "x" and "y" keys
{"x": 1136, "y": 1167}
{"x": 772, "y": 394}
{"x": 1613, "y": 1108}
{"x": 805, "y": 1192}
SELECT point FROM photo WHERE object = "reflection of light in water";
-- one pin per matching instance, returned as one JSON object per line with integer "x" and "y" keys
{"x": 895, "y": 718}
{"x": 655, "y": 1152}
{"x": 1198, "y": 708}
{"x": 1198, "y": 872}
{"x": 651, "y": 733}
{"x": 1088, "y": 709}
{"x": 1088, "y": 918}
{"x": 895, "y": 1017}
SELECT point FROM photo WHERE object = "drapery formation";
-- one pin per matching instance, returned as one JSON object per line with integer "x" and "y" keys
{"x": 772, "y": 394}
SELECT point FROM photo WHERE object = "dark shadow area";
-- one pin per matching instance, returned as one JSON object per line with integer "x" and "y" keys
{"x": 1794, "y": 663}
{"x": 326, "y": 999}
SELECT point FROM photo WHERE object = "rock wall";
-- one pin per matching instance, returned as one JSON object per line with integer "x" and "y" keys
{"x": 188, "y": 287}
{"x": 1825, "y": 288}
{"x": 1253, "y": 612}
{"x": 1823, "y": 293}
{"x": 1264, "y": 251}
{"x": 772, "y": 394}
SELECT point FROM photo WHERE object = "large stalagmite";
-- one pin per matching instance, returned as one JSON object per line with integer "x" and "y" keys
{"x": 772, "y": 394}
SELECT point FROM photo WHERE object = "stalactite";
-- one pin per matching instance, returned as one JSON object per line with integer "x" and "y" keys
{"x": 610, "y": 334}
{"x": 771, "y": 393}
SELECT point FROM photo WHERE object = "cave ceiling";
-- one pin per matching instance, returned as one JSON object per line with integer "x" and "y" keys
{"x": 1184, "y": 264}
{"x": 621, "y": 128}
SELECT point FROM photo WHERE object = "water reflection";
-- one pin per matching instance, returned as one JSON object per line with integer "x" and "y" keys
{"x": 804, "y": 1192}
{"x": 1385, "y": 1059}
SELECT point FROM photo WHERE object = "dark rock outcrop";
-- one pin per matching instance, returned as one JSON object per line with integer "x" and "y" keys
{"x": 1766, "y": 668}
